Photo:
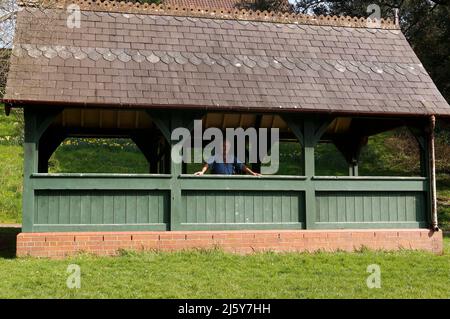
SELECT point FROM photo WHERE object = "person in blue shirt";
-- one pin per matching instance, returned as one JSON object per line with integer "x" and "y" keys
{"x": 225, "y": 164}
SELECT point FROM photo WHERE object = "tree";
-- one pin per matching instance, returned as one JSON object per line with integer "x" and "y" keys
{"x": 265, "y": 5}
{"x": 8, "y": 10}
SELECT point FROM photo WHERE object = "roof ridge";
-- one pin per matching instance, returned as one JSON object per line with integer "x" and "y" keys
{"x": 217, "y": 13}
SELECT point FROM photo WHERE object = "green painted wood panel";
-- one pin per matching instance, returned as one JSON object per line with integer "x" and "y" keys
{"x": 242, "y": 207}
{"x": 370, "y": 207}
{"x": 81, "y": 208}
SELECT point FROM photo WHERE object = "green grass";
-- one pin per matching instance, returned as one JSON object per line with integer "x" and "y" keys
{"x": 98, "y": 156}
{"x": 443, "y": 186}
{"x": 444, "y": 217}
{"x": 392, "y": 153}
{"x": 11, "y": 127}
{"x": 329, "y": 162}
{"x": 214, "y": 274}
{"x": 11, "y": 168}
{"x": 11, "y": 172}
{"x": 8, "y": 125}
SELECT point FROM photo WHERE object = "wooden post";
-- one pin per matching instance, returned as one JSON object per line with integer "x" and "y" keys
{"x": 175, "y": 187}
{"x": 30, "y": 150}
{"x": 350, "y": 147}
{"x": 256, "y": 167}
{"x": 308, "y": 131}
{"x": 177, "y": 120}
{"x": 36, "y": 124}
{"x": 309, "y": 170}
{"x": 353, "y": 168}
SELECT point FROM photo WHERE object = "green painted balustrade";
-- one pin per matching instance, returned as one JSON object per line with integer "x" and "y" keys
{"x": 106, "y": 202}
{"x": 113, "y": 202}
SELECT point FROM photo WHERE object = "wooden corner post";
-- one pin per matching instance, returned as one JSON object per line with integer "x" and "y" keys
{"x": 30, "y": 166}
{"x": 36, "y": 124}
{"x": 423, "y": 131}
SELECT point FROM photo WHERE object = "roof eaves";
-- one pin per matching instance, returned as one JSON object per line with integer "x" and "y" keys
{"x": 17, "y": 103}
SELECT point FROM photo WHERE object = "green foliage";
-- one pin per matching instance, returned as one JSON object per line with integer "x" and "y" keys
{"x": 329, "y": 161}
{"x": 444, "y": 215}
{"x": 265, "y": 5}
{"x": 11, "y": 127}
{"x": 215, "y": 274}
{"x": 290, "y": 159}
{"x": 98, "y": 156}
{"x": 443, "y": 187}
{"x": 4, "y": 67}
{"x": 11, "y": 173}
{"x": 11, "y": 167}
{"x": 394, "y": 153}
{"x": 429, "y": 37}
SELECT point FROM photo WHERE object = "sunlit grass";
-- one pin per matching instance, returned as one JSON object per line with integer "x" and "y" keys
{"x": 214, "y": 274}
{"x": 98, "y": 156}
{"x": 11, "y": 159}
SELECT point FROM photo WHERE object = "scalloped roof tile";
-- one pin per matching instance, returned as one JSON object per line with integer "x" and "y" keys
{"x": 155, "y": 57}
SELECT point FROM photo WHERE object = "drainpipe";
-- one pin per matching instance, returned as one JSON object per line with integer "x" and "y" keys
{"x": 432, "y": 159}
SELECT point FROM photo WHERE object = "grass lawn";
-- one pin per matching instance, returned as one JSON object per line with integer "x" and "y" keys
{"x": 214, "y": 274}
{"x": 98, "y": 156}
{"x": 11, "y": 168}
{"x": 11, "y": 177}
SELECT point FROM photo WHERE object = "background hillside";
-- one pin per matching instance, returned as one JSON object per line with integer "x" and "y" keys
{"x": 392, "y": 153}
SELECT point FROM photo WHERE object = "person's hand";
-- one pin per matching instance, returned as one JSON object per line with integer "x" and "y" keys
{"x": 256, "y": 174}
{"x": 198, "y": 173}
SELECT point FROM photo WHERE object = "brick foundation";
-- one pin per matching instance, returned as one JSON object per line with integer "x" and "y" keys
{"x": 108, "y": 243}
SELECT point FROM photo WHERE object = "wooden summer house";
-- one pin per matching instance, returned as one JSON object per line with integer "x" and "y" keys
{"x": 140, "y": 71}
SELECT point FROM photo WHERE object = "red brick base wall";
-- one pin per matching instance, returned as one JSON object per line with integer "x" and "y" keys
{"x": 108, "y": 243}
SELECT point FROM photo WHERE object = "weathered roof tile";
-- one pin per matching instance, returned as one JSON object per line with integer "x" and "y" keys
{"x": 141, "y": 58}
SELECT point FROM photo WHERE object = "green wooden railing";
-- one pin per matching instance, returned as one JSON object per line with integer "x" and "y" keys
{"x": 106, "y": 202}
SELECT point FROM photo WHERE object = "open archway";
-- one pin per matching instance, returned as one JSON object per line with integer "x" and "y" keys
{"x": 103, "y": 141}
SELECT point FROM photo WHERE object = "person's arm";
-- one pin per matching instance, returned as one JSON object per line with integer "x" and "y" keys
{"x": 249, "y": 171}
{"x": 203, "y": 171}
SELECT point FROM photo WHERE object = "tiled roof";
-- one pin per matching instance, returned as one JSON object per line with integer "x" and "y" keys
{"x": 226, "y": 4}
{"x": 174, "y": 60}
